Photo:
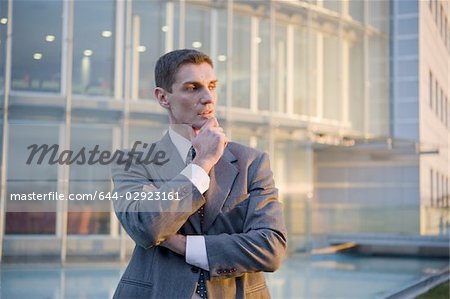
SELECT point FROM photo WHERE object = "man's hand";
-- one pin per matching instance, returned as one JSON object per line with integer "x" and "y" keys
{"x": 209, "y": 144}
{"x": 176, "y": 243}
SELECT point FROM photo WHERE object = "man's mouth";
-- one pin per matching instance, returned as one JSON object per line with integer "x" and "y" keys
{"x": 207, "y": 113}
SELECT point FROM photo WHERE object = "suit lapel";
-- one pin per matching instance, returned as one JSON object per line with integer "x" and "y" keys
{"x": 174, "y": 164}
{"x": 222, "y": 177}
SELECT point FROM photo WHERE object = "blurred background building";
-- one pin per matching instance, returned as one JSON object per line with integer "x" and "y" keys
{"x": 349, "y": 98}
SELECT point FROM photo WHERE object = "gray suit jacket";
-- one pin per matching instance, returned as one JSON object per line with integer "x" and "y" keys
{"x": 243, "y": 226}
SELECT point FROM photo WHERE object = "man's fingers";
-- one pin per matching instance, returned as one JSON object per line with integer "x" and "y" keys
{"x": 210, "y": 123}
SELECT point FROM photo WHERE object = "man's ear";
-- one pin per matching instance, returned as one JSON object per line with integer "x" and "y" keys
{"x": 161, "y": 96}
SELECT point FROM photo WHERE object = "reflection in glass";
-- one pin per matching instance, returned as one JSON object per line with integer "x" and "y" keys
{"x": 89, "y": 217}
{"x": 40, "y": 217}
{"x": 93, "y": 52}
{"x": 241, "y": 61}
{"x": 149, "y": 37}
{"x": 36, "y": 59}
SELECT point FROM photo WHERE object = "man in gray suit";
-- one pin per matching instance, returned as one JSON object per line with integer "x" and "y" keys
{"x": 225, "y": 228}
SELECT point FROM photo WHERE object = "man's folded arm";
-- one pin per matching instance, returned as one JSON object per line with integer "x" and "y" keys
{"x": 262, "y": 244}
{"x": 149, "y": 222}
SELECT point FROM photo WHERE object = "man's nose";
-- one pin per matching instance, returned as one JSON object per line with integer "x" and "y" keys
{"x": 208, "y": 96}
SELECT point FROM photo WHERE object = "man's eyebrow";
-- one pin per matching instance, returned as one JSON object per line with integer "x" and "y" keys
{"x": 198, "y": 82}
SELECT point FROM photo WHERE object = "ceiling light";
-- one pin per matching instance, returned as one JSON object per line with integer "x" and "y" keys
{"x": 165, "y": 28}
{"x": 222, "y": 58}
{"x": 87, "y": 52}
{"x": 50, "y": 38}
{"x": 3, "y": 21}
{"x": 141, "y": 49}
{"x": 106, "y": 33}
{"x": 197, "y": 45}
{"x": 258, "y": 40}
{"x": 37, "y": 56}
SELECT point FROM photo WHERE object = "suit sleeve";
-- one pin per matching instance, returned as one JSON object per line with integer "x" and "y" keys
{"x": 262, "y": 245}
{"x": 149, "y": 222}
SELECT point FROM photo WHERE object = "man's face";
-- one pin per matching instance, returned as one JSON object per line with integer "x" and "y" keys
{"x": 193, "y": 97}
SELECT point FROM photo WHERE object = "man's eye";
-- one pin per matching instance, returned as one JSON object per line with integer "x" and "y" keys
{"x": 191, "y": 87}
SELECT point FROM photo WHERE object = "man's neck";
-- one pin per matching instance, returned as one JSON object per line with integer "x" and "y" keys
{"x": 184, "y": 130}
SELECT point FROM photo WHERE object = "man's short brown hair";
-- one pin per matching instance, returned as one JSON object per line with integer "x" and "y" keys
{"x": 167, "y": 65}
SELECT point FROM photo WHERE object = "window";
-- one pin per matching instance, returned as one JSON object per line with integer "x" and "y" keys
{"x": 222, "y": 57}
{"x": 264, "y": 69}
{"x": 198, "y": 27}
{"x": 430, "y": 89}
{"x": 356, "y": 10}
{"x": 436, "y": 98}
{"x": 301, "y": 104}
{"x": 3, "y": 26}
{"x": 149, "y": 35}
{"x": 36, "y": 46}
{"x": 93, "y": 47}
{"x": 241, "y": 61}
{"x": 331, "y": 89}
{"x": 30, "y": 217}
{"x": 431, "y": 188}
{"x": 281, "y": 67}
{"x": 89, "y": 217}
{"x": 354, "y": 49}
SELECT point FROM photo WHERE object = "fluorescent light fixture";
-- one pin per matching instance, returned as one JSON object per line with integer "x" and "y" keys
{"x": 222, "y": 58}
{"x": 37, "y": 56}
{"x": 87, "y": 52}
{"x": 165, "y": 28}
{"x": 258, "y": 40}
{"x": 50, "y": 38}
{"x": 106, "y": 33}
{"x": 141, "y": 49}
{"x": 196, "y": 45}
{"x": 3, "y": 21}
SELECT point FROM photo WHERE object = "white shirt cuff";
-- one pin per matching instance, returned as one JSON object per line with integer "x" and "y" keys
{"x": 196, "y": 252}
{"x": 198, "y": 177}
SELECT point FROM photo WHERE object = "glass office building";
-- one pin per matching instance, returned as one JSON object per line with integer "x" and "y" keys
{"x": 306, "y": 81}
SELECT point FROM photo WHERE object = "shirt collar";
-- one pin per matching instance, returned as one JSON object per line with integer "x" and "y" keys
{"x": 182, "y": 144}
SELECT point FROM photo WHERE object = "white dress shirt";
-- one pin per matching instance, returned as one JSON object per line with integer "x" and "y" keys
{"x": 195, "y": 245}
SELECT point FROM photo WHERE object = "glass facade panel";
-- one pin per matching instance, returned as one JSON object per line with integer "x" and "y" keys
{"x": 149, "y": 27}
{"x": 356, "y": 9}
{"x": 264, "y": 69}
{"x": 241, "y": 61}
{"x": 378, "y": 14}
{"x": 301, "y": 103}
{"x": 281, "y": 69}
{"x": 331, "y": 88}
{"x": 198, "y": 28}
{"x": 332, "y": 5}
{"x": 378, "y": 90}
{"x": 354, "y": 45}
{"x": 38, "y": 217}
{"x": 3, "y": 24}
{"x": 222, "y": 56}
{"x": 89, "y": 217}
{"x": 93, "y": 52}
{"x": 36, "y": 47}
